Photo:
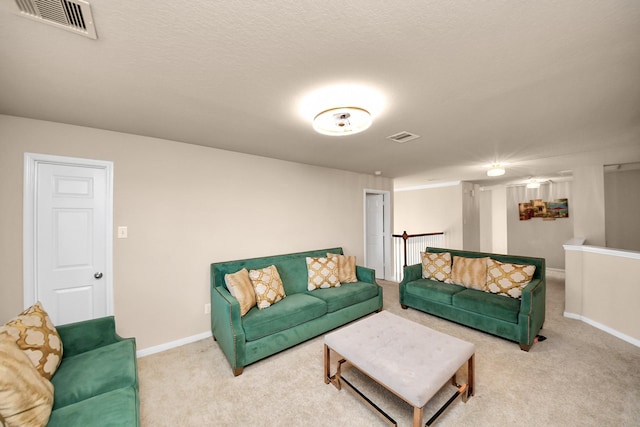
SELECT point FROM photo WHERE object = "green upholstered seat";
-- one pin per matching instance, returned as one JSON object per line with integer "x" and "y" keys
{"x": 94, "y": 372}
{"x": 115, "y": 408}
{"x": 432, "y": 290}
{"x": 503, "y": 308}
{"x": 291, "y": 311}
{"x": 346, "y": 295}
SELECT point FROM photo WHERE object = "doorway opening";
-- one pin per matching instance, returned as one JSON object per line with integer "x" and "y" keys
{"x": 377, "y": 232}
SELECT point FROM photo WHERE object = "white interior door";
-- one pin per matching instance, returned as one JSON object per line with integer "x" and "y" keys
{"x": 375, "y": 233}
{"x": 72, "y": 240}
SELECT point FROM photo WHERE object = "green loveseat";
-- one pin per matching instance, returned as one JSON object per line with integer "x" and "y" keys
{"x": 518, "y": 320}
{"x": 96, "y": 383}
{"x": 301, "y": 315}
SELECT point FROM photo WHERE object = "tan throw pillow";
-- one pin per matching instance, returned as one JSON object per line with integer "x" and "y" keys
{"x": 34, "y": 333}
{"x": 322, "y": 273}
{"x": 470, "y": 272}
{"x": 346, "y": 268}
{"x": 267, "y": 286}
{"x": 26, "y": 398}
{"x": 508, "y": 279}
{"x": 436, "y": 266}
{"x": 240, "y": 287}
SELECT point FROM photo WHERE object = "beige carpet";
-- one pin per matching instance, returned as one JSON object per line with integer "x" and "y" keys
{"x": 579, "y": 376}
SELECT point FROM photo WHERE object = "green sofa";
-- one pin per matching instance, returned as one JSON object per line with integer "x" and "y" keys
{"x": 301, "y": 315}
{"x": 96, "y": 383}
{"x": 518, "y": 320}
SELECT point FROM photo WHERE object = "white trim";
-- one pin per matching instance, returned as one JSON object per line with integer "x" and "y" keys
{"x": 173, "y": 344}
{"x": 386, "y": 238}
{"x": 425, "y": 186}
{"x": 31, "y": 161}
{"x": 604, "y": 328}
{"x": 602, "y": 251}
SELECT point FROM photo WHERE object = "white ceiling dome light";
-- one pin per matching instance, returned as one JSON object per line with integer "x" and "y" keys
{"x": 496, "y": 169}
{"x": 533, "y": 183}
{"x": 340, "y": 110}
{"x": 342, "y": 121}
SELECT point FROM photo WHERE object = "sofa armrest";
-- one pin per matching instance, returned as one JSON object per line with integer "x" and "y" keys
{"x": 532, "y": 308}
{"x": 365, "y": 274}
{"x": 226, "y": 326}
{"x": 87, "y": 335}
{"x": 411, "y": 273}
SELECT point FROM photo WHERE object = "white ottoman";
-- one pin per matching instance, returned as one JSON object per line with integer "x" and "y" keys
{"x": 409, "y": 359}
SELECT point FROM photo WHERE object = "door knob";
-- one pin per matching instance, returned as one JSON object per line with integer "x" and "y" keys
{"x": 98, "y": 275}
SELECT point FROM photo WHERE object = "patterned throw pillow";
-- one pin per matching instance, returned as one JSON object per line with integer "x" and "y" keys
{"x": 267, "y": 286}
{"x": 508, "y": 279}
{"x": 34, "y": 333}
{"x": 470, "y": 272}
{"x": 346, "y": 268}
{"x": 436, "y": 266}
{"x": 240, "y": 287}
{"x": 26, "y": 398}
{"x": 322, "y": 273}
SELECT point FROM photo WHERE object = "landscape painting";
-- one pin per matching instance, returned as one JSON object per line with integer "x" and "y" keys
{"x": 548, "y": 211}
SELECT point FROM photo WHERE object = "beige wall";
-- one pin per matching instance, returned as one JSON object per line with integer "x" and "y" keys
{"x": 622, "y": 204}
{"x": 536, "y": 237}
{"x": 185, "y": 206}
{"x": 602, "y": 289}
{"x": 588, "y": 204}
{"x": 470, "y": 216}
{"x": 430, "y": 210}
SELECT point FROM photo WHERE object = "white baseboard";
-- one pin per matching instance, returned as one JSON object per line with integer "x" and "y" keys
{"x": 604, "y": 328}
{"x": 173, "y": 344}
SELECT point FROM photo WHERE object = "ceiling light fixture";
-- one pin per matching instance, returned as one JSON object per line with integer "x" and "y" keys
{"x": 496, "y": 169}
{"x": 341, "y": 109}
{"x": 534, "y": 183}
{"x": 342, "y": 121}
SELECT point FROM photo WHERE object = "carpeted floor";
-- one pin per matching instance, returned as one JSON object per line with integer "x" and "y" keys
{"x": 579, "y": 376}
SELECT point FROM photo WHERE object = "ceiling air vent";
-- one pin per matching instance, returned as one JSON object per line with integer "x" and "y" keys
{"x": 402, "y": 137}
{"x": 70, "y": 15}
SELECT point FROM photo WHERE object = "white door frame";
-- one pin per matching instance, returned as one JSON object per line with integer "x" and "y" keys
{"x": 31, "y": 161}
{"x": 386, "y": 237}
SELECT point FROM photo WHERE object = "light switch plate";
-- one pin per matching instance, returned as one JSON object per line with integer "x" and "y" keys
{"x": 122, "y": 232}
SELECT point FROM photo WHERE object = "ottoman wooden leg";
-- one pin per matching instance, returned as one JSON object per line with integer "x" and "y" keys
{"x": 417, "y": 416}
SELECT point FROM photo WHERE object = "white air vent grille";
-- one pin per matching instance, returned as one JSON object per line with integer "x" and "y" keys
{"x": 402, "y": 137}
{"x": 71, "y": 15}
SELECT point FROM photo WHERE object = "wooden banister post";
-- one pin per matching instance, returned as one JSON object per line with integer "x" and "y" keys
{"x": 405, "y": 236}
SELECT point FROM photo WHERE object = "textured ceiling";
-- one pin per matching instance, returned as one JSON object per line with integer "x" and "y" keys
{"x": 542, "y": 85}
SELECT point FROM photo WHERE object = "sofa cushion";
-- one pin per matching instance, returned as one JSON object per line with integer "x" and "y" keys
{"x": 345, "y": 296}
{"x": 488, "y": 304}
{"x": 115, "y": 408}
{"x": 292, "y": 311}
{"x": 34, "y": 333}
{"x": 470, "y": 272}
{"x": 26, "y": 397}
{"x": 322, "y": 272}
{"x": 433, "y": 290}
{"x": 436, "y": 266}
{"x": 346, "y": 268}
{"x": 267, "y": 286}
{"x": 508, "y": 279}
{"x": 95, "y": 372}
{"x": 240, "y": 287}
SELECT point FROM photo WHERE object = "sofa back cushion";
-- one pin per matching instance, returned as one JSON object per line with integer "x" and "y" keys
{"x": 292, "y": 268}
